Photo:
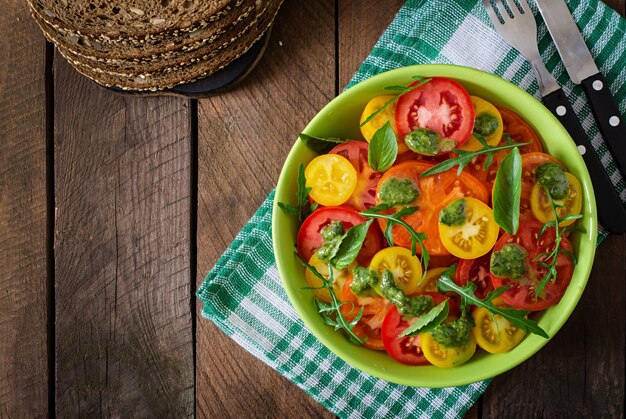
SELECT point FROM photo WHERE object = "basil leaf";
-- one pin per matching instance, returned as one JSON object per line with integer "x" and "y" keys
{"x": 383, "y": 149}
{"x": 428, "y": 321}
{"x": 321, "y": 145}
{"x": 350, "y": 245}
{"x": 507, "y": 192}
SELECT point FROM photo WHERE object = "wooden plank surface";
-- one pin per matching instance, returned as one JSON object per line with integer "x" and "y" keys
{"x": 23, "y": 225}
{"x": 244, "y": 136}
{"x": 124, "y": 344}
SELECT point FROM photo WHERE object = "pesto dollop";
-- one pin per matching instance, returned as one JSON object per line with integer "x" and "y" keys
{"x": 454, "y": 214}
{"x": 552, "y": 177}
{"x": 396, "y": 191}
{"x": 509, "y": 262}
{"x": 485, "y": 124}
{"x": 408, "y": 306}
{"x": 456, "y": 333}
{"x": 425, "y": 141}
{"x": 362, "y": 281}
{"x": 332, "y": 235}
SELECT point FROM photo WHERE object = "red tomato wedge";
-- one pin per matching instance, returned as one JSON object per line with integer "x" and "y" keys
{"x": 407, "y": 349}
{"x": 375, "y": 308}
{"x": 476, "y": 271}
{"x": 521, "y": 292}
{"x": 310, "y": 235}
{"x": 519, "y": 130}
{"x": 440, "y": 105}
{"x": 436, "y": 192}
{"x": 364, "y": 195}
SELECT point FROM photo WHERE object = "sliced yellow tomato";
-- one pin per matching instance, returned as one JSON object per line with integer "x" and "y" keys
{"x": 494, "y": 333}
{"x": 481, "y": 106}
{"x": 339, "y": 277}
{"x": 476, "y": 236}
{"x": 406, "y": 268}
{"x": 332, "y": 179}
{"x": 381, "y": 118}
{"x": 571, "y": 204}
{"x": 429, "y": 284}
{"x": 443, "y": 356}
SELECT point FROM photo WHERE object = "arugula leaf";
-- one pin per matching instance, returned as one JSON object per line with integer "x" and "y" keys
{"x": 321, "y": 145}
{"x": 383, "y": 149}
{"x": 302, "y": 209}
{"x": 515, "y": 316}
{"x": 428, "y": 321}
{"x": 465, "y": 157}
{"x": 328, "y": 310}
{"x": 507, "y": 192}
{"x": 350, "y": 245}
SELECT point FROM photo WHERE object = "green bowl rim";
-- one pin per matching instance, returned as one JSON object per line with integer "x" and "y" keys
{"x": 584, "y": 270}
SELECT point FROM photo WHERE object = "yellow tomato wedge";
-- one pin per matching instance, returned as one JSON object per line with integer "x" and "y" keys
{"x": 443, "y": 356}
{"x": 494, "y": 333}
{"x": 381, "y": 118}
{"x": 476, "y": 236}
{"x": 332, "y": 179}
{"x": 430, "y": 280}
{"x": 339, "y": 276}
{"x": 481, "y": 106}
{"x": 406, "y": 268}
{"x": 571, "y": 204}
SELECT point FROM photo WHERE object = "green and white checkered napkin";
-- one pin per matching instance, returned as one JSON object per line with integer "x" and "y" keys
{"x": 243, "y": 294}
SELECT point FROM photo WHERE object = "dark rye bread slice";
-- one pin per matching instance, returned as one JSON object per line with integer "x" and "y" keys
{"x": 178, "y": 61}
{"x": 127, "y": 19}
{"x": 120, "y": 54}
{"x": 167, "y": 79}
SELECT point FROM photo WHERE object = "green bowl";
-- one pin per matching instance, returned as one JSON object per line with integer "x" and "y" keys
{"x": 341, "y": 118}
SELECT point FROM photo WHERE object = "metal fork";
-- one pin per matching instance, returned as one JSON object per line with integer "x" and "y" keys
{"x": 519, "y": 30}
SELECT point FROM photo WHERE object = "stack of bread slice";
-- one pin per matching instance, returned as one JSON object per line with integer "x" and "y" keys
{"x": 151, "y": 45}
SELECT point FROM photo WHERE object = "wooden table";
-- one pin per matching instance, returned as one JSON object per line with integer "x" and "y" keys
{"x": 114, "y": 208}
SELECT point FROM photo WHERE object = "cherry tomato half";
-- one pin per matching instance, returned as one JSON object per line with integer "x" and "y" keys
{"x": 332, "y": 179}
{"x": 310, "y": 235}
{"x": 481, "y": 106}
{"x": 444, "y": 356}
{"x": 440, "y": 105}
{"x": 521, "y": 292}
{"x": 494, "y": 333}
{"x": 364, "y": 195}
{"x": 530, "y": 163}
{"x": 406, "y": 268}
{"x": 571, "y": 204}
{"x": 381, "y": 118}
{"x": 339, "y": 277}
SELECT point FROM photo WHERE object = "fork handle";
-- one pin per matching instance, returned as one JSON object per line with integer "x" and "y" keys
{"x": 609, "y": 119}
{"x": 610, "y": 209}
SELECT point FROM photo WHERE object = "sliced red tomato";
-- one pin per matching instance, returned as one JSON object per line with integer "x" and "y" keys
{"x": 520, "y": 132}
{"x": 310, "y": 235}
{"x": 443, "y": 261}
{"x": 375, "y": 308}
{"x": 476, "y": 271}
{"x": 436, "y": 192}
{"x": 406, "y": 349}
{"x": 530, "y": 163}
{"x": 440, "y": 105}
{"x": 364, "y": 195}
{"x": 521, "y": 292}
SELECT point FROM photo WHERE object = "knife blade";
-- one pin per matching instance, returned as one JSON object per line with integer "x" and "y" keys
{"x": 582, "y": 69}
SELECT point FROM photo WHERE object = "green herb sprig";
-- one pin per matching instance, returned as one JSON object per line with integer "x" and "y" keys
{"x": 549, "y": 259}
{"x": 465, "y": 157}
{"x": 402, "y": 90}
{"x": 349, "y": 246}
{"x": 302, "y": 209}
{"x": 515, "y": 316}
{"x": 428, "y": 321}
{"x": 396, "y": 219}
{"x": 331, "y": 312}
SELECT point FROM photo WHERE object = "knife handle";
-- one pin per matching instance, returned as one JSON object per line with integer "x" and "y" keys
{"x": 609, "y": 119}
{"x": 610, "y": 209}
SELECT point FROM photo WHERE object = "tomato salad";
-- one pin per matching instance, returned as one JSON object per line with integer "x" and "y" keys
{"x": 446, "y": 229}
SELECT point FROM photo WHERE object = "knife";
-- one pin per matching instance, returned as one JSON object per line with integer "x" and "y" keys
{"x": 582, "y": 69}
